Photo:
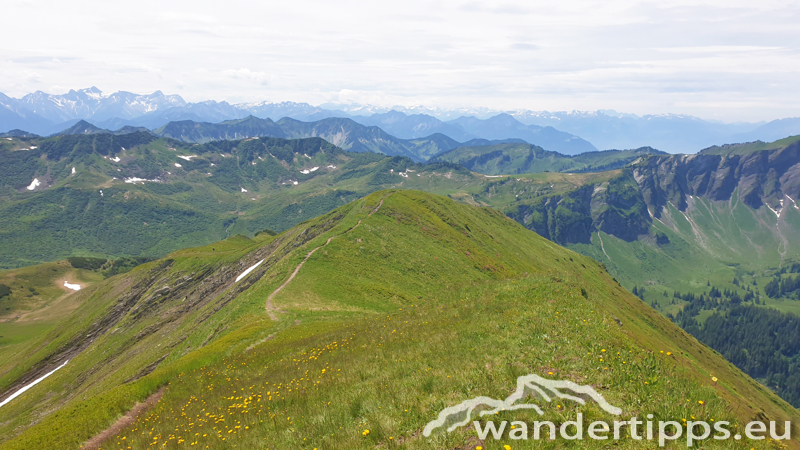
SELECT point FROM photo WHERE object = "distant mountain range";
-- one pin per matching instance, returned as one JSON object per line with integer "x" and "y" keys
{"x": 342, "y": 132}
{"x": 674, "y": 133}
{"x": 565, "y": 132}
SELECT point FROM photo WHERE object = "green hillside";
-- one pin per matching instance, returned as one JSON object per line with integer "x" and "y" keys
{"x": 517, "y": 158}
{"x": 699, "y": 238}
{"x": 33, "y": 300}
{"x": 356, "y": 329}
{"x": 749, "y": 147}
{"x": 138, "y": 195}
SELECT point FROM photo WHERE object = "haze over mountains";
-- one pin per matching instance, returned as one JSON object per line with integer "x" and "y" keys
{"x": 566, "y": 132}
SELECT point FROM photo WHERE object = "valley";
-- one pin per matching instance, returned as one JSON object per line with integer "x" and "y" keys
{"x": 269, "y": 213}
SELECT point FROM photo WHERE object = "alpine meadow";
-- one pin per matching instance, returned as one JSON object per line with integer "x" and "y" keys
{"x": 451, "y": 225}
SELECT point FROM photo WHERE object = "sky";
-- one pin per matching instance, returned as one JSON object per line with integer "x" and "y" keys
{"x": 720, "y": 60}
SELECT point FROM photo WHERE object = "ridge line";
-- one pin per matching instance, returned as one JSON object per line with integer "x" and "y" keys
{"x": 270, "y": 309}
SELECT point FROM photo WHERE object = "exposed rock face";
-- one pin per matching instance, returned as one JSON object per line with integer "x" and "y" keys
{"x": 762, "y": 177}
{"x": 619, "y": 207}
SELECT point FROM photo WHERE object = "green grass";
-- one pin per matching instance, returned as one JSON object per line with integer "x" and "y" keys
{"x": 729, "y": 240}
{"x": 37, "y": 303}
{"x": 425, "y": 303}
{"x": 13, "y": 334}
{"x": 526, "y": 158}
{"x": 750, "y": 147}
{"x": 93, "y": 213}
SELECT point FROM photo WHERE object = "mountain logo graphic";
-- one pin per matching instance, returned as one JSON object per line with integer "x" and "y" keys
{"x": 532, "y": 386}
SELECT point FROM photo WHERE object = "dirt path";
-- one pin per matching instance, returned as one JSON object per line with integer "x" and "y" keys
{"x": 130, "y": 417}
{"x": 270, "y": 309}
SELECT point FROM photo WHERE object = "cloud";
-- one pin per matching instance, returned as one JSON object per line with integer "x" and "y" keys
{"x": 524, "y": 46}
{"x": 627, "y": 55}
{"x": 248, "y": 75}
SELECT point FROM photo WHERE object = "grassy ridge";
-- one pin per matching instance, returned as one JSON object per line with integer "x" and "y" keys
{"x": 517, "y": 158}
{"x": 424, "y": 304}
{"x": 749, "y": 147}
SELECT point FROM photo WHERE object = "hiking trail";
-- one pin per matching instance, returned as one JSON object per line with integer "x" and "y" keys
{"x": 270, "y": 309}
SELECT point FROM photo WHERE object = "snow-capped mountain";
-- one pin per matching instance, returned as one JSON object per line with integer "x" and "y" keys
{"x": 45, "y": 114}
{"x": 92, "y": 103}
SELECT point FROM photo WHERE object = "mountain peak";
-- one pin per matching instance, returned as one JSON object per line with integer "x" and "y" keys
{"x": 82, "y": 127}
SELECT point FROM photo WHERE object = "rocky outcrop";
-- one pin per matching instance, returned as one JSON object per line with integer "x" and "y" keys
{"x": 758, "y": 178}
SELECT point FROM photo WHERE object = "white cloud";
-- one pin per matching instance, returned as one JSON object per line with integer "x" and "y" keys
{"x": 247, "y": 74}
{"x": 677, "y": 56}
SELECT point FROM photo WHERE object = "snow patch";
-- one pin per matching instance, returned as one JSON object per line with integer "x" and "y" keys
{"x": 32, "y": 384}
{"x": 330, "y": 166}
{"x": 115, "y": 159}
{"x": 187, "y": 158}
{"x": 33, "y": 147}
{"x": 73, "y": 171}
{"x": 295, "y": 183}
{"x": 74, "y": 287}
{"x": 497, "y": 176}
{"x": 101, "y": 193}
{"x": 34, "y": 184}
{"x": 306, "y": 156}
{"x": 244, "y": 190}
{"x": 134, "y": 180}
{"x": 178, "y": 165}
{"x": 249, "y": 269}
{"x": 9, "y": 139}
{"x": 793, "y": 202}
{"x": 308, "y": 171}
{"x": 777, "y": 213}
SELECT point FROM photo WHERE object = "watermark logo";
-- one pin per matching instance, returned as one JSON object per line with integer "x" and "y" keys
{"x": 535, "y": 387}
{"x": 527, "y": 386}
